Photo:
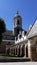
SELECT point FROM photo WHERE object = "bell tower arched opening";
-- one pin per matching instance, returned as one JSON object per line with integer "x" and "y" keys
{"x": 17, "y": 24}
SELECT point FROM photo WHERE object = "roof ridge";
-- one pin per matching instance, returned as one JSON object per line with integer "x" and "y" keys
{"x": 32, "y": 25}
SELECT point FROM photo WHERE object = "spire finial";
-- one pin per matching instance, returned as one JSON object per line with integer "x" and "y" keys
{"x": 17, "y": 12}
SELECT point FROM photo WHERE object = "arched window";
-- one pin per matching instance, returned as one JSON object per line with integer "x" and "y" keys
{"x": 36, "y": 43}
{"x": 17, "y": 31}
{"x": 17, "y": 22}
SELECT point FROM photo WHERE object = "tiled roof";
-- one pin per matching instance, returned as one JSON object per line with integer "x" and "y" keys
{"x": 33, "y": 31}
{"x": 8, "y": 35}
{"x": 8, "y": 32}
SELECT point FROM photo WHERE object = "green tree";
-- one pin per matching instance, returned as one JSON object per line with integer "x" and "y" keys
{"x": 2, "y": 28}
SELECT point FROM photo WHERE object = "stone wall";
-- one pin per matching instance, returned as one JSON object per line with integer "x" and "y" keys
{"x": 2, "y": 49}
{"x": 32, "y": 49}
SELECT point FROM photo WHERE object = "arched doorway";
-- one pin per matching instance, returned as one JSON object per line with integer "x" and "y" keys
{"x": 8, "y": 51}
{"x": 27, "y": 51}
{"x": 23, "y": 50}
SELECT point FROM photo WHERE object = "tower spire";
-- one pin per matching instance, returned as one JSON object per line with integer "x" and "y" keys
{"x": 17, "y": 12}
{"x": 17, "y": 24}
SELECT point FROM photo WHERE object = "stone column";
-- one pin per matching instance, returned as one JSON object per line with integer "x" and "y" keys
{"x": 33, "y": 52}
{"x": 10, "y": 52}
{"x": 21, "y": 50}
{"x": 30, "y": 49}
{"x": 6, "y": 49}
{"x": 25, "y": 50}
{"x": 17, "y": 50}
{"x": 14, "y": 51}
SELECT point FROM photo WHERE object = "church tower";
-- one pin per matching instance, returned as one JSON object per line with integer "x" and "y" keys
{"x": 17, "y": 24}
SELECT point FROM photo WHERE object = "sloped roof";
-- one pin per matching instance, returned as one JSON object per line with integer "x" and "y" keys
{"x": 8, "y": 35}
{"x": 17, "y": 15}
{"x": 33, "y": 31}
{"x": 8, "y": 32}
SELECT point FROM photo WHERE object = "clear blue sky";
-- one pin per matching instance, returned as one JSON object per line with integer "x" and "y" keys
{"x": 27, "y": 9}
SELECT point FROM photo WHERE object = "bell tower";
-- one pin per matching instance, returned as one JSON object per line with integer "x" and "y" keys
{"x": 17, "y": 24}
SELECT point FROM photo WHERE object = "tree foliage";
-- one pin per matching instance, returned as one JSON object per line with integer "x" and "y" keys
{"x": 2, "y": 28}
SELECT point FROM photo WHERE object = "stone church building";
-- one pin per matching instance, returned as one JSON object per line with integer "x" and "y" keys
{"x": 19, "y": 42}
